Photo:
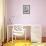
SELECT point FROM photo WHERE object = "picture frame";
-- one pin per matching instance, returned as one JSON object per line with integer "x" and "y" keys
{"x": 26, "y": 9}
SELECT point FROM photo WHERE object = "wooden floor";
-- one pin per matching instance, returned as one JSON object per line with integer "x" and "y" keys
{"x": 23, "y": 43}
{"x": 18, "y": 43}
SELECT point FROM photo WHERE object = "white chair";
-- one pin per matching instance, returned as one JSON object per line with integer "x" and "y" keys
{"x": 17, "y": 31}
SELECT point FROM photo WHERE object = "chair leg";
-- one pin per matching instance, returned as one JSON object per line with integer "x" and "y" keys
{"x": 12, "y": 37}
{"x": 15, "y": 38}
{"x": 25, "y": 36}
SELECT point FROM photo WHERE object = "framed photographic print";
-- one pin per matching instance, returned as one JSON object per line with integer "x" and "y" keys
{"x": 26, "y": 9}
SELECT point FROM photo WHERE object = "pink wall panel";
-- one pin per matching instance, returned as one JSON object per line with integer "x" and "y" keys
{"x": 37, "y": 12}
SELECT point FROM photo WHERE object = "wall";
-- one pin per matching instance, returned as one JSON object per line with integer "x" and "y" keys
{"x": 37, "y": 13}
{"x": 1, "y": 20}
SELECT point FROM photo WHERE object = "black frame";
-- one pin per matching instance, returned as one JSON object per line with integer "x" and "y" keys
{"x": 27, "y": 8}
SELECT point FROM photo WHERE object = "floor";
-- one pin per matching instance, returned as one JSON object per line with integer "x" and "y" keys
{"x": 23, "y": 43}
{"x": 18, "y": 43}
